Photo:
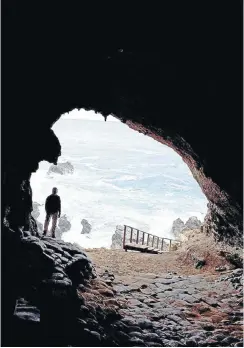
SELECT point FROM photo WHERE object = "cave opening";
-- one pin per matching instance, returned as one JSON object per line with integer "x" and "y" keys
{"x": 109, "y": 175}
{"x": 178, "y": 81}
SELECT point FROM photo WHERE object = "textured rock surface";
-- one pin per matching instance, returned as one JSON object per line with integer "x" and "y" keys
{"x": 173, "y": 310}
{"x": 117, "y": 237}
{"x": 192, "y": 223}
{"x": 57, "y": 290}
{"x": 177, "y": 227}
{"x": 140, "y": 87}
{"x": 64, "y": 223}
{"x": 61, "y": 168}
{"x": 164, "y": 88}
{"x": 86, "y": 229}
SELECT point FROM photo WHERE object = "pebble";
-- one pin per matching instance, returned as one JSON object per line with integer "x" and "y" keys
{"x": 57, "y": 276}
{"x": 153, "y": 344}
{"x": 155, "y": 304}
{"x": 144, "y": 323}
{"x": 135, "y": 334}
{"x": 229, "y": 340}
{"x": 137, "y": 341}
{"x": 151, "y": 337}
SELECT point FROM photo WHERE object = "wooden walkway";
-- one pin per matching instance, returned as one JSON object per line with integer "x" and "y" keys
{"x": 137, "y": 240}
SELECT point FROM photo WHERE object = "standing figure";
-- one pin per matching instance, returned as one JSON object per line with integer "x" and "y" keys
{"x": 53, "y": 209}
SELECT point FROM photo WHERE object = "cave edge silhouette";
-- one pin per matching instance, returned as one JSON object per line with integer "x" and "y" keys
{"x": 43, "y": 72}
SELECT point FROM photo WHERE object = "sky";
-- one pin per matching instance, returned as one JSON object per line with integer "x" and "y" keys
{"x": 87, "y": 115}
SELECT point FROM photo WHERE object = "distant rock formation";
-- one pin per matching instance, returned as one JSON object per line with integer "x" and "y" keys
{"x": 64, "y": 224}
{"x": 117, "y": 237}
{"x": 58, "y": 232}
{"x": 192, "y": 223}
{"x": 86, "y": 227}
{"x": 179, "y": 227}
{"x": 61, "y": 168}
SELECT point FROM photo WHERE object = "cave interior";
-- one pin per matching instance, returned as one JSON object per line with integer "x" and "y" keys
{"x": 174, "y": 77}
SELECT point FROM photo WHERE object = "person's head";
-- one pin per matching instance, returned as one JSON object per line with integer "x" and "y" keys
{"x": 54, "y": 190}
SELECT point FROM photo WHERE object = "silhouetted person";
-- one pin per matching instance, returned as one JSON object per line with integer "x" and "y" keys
{"x": 53, "y": 209}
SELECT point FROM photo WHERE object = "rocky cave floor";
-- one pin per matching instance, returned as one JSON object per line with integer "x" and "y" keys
{"x": 71, "y": 304}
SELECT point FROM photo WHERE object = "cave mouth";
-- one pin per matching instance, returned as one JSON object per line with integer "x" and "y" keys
{"x": 110, "y": 175}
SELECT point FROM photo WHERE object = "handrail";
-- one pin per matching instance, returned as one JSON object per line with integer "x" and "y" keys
{"x": 150, "y": 234}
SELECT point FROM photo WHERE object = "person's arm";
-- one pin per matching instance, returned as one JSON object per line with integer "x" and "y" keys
{"x": 59, "y": 206}
{"x": 46, "y": 204}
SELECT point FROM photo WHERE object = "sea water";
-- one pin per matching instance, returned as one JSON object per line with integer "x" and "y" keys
{"x": 120, "y": 177}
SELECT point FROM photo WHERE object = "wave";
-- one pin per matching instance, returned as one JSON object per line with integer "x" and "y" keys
{"x": 115, "y": 182}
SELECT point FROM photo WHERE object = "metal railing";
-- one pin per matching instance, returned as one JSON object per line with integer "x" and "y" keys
{"x": 136, "y": 236}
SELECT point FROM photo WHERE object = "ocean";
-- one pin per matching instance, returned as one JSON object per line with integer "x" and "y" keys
{"x": 120, "y": 177}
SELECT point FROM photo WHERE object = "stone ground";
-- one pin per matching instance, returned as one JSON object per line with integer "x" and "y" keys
{"x": 135, "y": 299}
{"x": 169, "y": 306}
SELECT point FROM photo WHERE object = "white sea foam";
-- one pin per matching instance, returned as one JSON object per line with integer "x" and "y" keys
{"x": 120, "y": 177}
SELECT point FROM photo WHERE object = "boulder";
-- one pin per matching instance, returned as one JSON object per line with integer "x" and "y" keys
{"x": 86, "y": 227}
{"x": 58, "y": 232}
{"x": 64, "y": 224}
{"x": 177, "y": 227}
{"x": 117, "y": 237}
{"x": 61, "y": 168}
{"x": 192, "y": 223}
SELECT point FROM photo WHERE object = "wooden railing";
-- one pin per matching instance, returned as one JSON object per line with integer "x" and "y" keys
{"x": 137, "y": 237}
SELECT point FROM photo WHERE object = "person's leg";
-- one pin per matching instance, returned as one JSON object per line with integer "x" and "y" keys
{"x": 46, "y": 224}
{"x": 54, "y": 223}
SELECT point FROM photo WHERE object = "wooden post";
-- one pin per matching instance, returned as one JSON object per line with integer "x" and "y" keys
{"x": 137, "y": 236}
{"x": 170, "y": 245}
{"x": 162, "y": 245}
{"x": 148, "y": 235}
{"x": 153, "y": 241}
{"x": 143, "y": 237}
{"x": 131, "y": 233}
{"x": 124, "y": 236}
{"x": 157, "y": 242}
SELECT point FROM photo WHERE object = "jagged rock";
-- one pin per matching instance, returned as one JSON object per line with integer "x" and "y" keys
{"x": 177, "y": 227}
{"x": 235, "y": 259}
{"x": 64, "y": 224}
{"x": 192, "y": 223}
{"x": 61, "y": 168}
{"x": 58, "y": 232}
{"x": 86, "y": 227}
{"x": 117, "y": 237}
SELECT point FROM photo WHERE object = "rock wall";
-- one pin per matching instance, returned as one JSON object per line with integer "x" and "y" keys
{"x": 164, "y": 88}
